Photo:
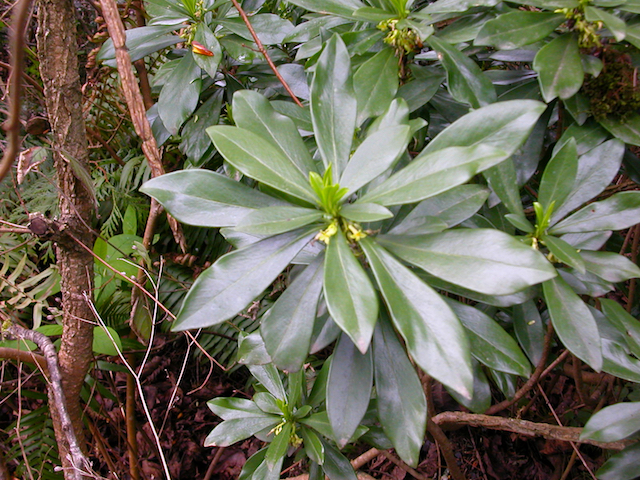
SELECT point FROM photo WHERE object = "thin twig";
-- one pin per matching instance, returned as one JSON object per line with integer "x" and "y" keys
{"x": 264, "y": 52}
{"x": 24, "y": 356}
{"x": 12, "y": 125}
{"x": 446, "y": 448}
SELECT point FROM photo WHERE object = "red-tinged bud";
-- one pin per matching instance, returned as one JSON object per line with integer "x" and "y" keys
{"x": 201, "y": 49}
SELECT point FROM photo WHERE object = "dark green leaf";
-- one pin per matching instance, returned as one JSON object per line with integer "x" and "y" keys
{"x": 251, "y": 349}
{"x": 344, "y": 8}
{"x": 516, "y": 29}
{"x": 230, "y": 408}
{"x": 348, "y": 389}
{"x": 196, "y": 144}
{"x": 613, "y": 423}
{"x": 433, "y": 335}
{"x": 564, "y": 252}
{"x": 288, "y": 325}
{"x": 480, "y": 401}
{"x": 529, "y": 330}
{"x": 610, "y": 266}
{"x": 259, "y": 159}
{"x": 465, "y": 80}
{"x": 336, "y": 466}
{"x": 269, "y": 376}
{"x": 365, "y": 212}
{"x": 559, "y": 67}
{"x": 376, "y": 83}
{"x": 274, "y": 220}
{"x": 483, "y": 260}
{"x": 626, "y": 324}
{"x": 333, "y": 105}
{"x": 559, "y": 175}
{"x": 614, "y": 24}
{"x": 278, "y": 447}
{"x": 232, "y": 431}
{"x": 206, "y": 38}
{"x": 627, "y": 130}
{"x": 503, "y": 181}
{"x": 141, "y": 42}
{"x": 402, "y": 405}
{"x": 252, "y": 111}
{"x": 267, "y": 403}
{"x": 622, "y": 465}
{"x": 350, "y": 296}
{"x": 236, "y": 278}
{"x": 312, "y": 445}
{"x": 271, "y": 29}
{"x": 180, "y": 94}
{"x": 573, "y": 322}
{"x": 106, "y": 343}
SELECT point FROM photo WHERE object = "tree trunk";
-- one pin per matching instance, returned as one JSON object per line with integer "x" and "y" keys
{"x": 57, "y": 51}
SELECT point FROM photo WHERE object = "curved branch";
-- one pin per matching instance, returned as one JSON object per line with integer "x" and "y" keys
{"x": 24, "y": 356}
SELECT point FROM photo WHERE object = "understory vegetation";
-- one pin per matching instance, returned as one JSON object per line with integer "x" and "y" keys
{"x": 342, "y": 238}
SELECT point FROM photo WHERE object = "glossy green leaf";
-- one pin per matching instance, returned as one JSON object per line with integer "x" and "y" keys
{"x": 433, "y": 335}
{"x": 264, "y": 472}
{"x": 229, "y": 408}
{"x": 587, "y": 137}
{"x": 596, "y": 170}
{"x": 271, "y": 29}
{"x": 376, "y": 83}
{"x": 195, "y": 143}
{"x": 503, "y": 180}
{"x": 278, "y": 447}
{"x": 490, "y": 344}
{"x": 516, "y": 29}
{"x": 378, "y": 153}
{"x": 206, "y": 38}
{"x": 348, "y": 389}
{"x": 610, "y": 266}
{"x": 619, "y": 211}
{"x": 287, "y": 327}
{"x": 106, "y": 343}
{"x": 624, "y": 323}
{"x": 333, "y": 105}
{"x": 251, "y": 349}
{"x": 559, "y": 175}
{"x": 141, "y": 42}
{"x": 350, "y": 296}
{"x": 232, "y": 431}
{"x": 252, "y": 111}
{"x": 529, "y": 330}
{"x": 484, "y": 260}
{"x": 480, "y": 401}
{"x": 613, "y": 423}
{"x": 235, "y": 279}
{"x": 205, "y": 198}
{"x": 274, "y": 220}
{"x": 622, "y": 465}
{"x": 336, "y": 466}
{"x": 402, "y": 406}
{"x": 344, "y": 8}
{"x": 312, "y": 445}
{"x": 252, "y": 464}
{"x": 267, "y": 403}
{"x": 559, "y": 67}
{"x": 573, "y": 322}
{"x": 179, "y": 95}
{"x": 452, "y": 207}
{"x": 269, "y": 376}
{"x": 434, "y": 173}
{"x": 365, "y": 212}
{"x": 613, "y": 23}
{"x": 465, "y": 80}
{"x": 259, "y": 159}
{"x": 564, "y": 252}
{"x": 505, "y": 125}
{"x": 627, "y": 130}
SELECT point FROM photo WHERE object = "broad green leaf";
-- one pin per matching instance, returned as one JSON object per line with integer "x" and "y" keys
{"x": 484, "y": 260}
{"x": 573, "y": 322}
{"x": 229, "y": 408}
{"x": 504, "y": 125}
{"x": 614, "y": 24}
{"x": 269, "y": 376}
{"x": 251, "y": 349}
{"x": 619, "y": 211}
{"x": 278, "y": 447}
{"x": 318, "y": 392}
{"x": 610, "y": 266}
{"x": 252, "y": 464}
{"x": 195, "y": 143}
{"x": 624, "y": 323}
{"x": 433, "y": 173}
{"x": 179, "y": 95}
{"x": 264, "y": 472}
{"x": 106, "y": 343}
{"x": 344, "y": 8}
{"x": 365, "y": 212}
{"x": 587, "y": 241}
{"x": 287, "y": 327}
{"x": 596, "y": 170}
{"x": 622, "y": 465}
{"x": 587, "y": 137}
{"x": 490, "y": 344}
{"x": 503, "y": 180}
{"x": 613, "y": 423}
{"x": 559, "y": 175}
{"x": 376, "y": 83}
{"x": 235, "y": 279}
{"x": 350, "y": 296}
{"x": 452, "y": 207}
{"x": 274, "y": 220}
{"x": 312, "y": 445}
{"x": 259, "y": 159}
{"x": 529, "y": 330}
{"x": 336, "y": 466}
{"x": 141, "y": 42}
{"x": 433, "y": 335}
{"x": 231, "y": 431}
{"x": 320, "y": 423}
{"x": 348, "y": 389}
{"x": 455, "y": 6}
{"x": 516, "y": 29}
{"x": 206, "y": 38}
{"x": 267, "y": 403}
{"x": 627, "y": 130}
{"x": 271, "y": 29}
{"x": 301, "y": 116}
{"x": 333, "y": 105}
{"x": 465, "y": 80}
{"x": 480, "y": 401}
{"x": 373, "y": 14}
{"x": 252, "y": 111}
{"x": 559, "y": 67}
{"x": 402, "y": 406}
{"x": 379, "y": 152}
{"x": 564, "y": 252}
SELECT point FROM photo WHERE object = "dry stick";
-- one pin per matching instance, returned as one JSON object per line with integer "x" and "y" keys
{"x": 22, "y": 356}
{"x": 524, "y": 427}
{"x": 214, "y": 462}
{"x": 447, "y": 449}
{"x": 264, "y": 52}
{"x": 356, "y": 463}
{"x": 79, "y": 461}
{"x": 396, "y": 461}
{"x": 12, "y": 125}
{"x": 135, "y": 102}
{"x": 532, "y": 380}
